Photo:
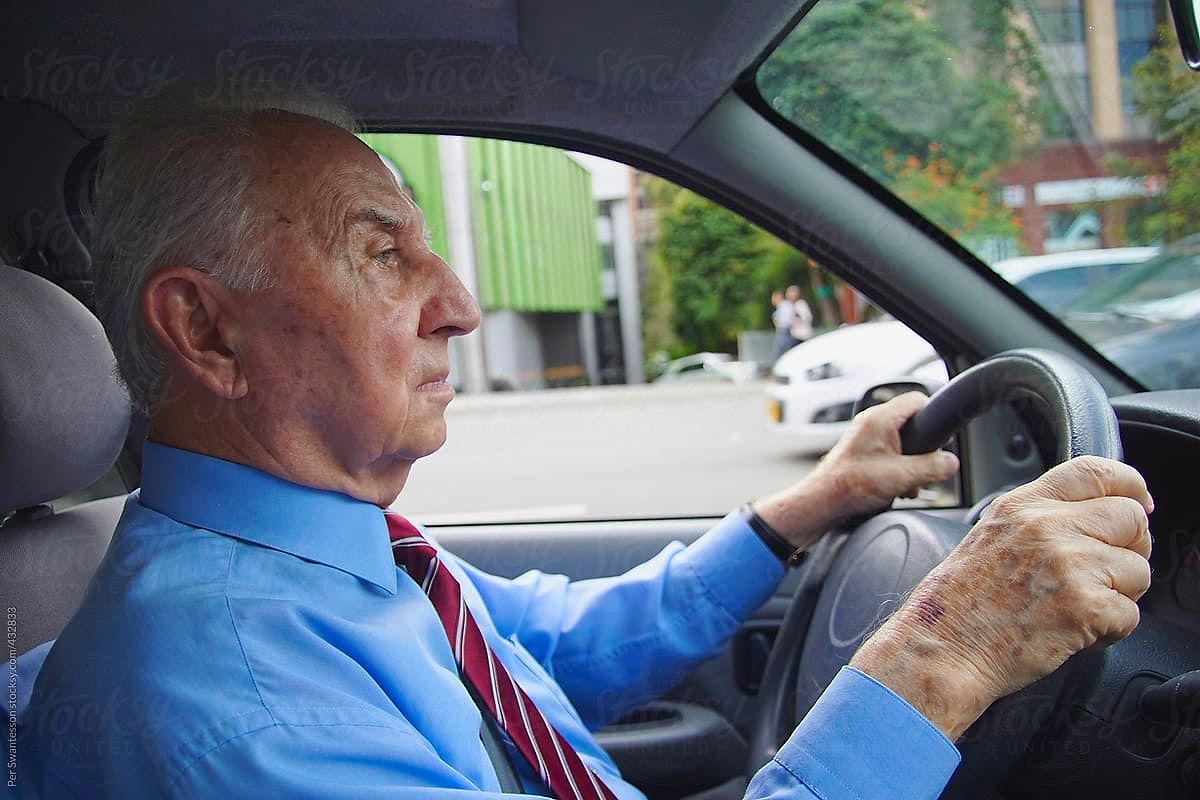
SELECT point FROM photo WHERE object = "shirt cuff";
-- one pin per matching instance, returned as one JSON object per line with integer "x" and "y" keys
{"x": 863, "y": 741}
{"x": 735, "y": 566}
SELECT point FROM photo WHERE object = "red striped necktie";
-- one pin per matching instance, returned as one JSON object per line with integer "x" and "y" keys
{"x": 543, "y": 747}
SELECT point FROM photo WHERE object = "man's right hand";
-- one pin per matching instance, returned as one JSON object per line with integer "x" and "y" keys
{"x": 1053, "y": 567}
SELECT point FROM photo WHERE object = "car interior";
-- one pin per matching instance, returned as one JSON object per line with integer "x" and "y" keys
{"x": 668, "y": 88}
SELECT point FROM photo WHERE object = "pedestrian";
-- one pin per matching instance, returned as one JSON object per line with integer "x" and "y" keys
{"x": 801, "y": 327}
{"x": 783, "y": 314}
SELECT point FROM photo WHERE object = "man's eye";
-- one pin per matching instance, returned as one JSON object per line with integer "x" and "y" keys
{"x": 385, "y": 258}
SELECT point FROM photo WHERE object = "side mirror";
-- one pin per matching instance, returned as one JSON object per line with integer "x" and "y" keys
{"x": 1186, "y": 14}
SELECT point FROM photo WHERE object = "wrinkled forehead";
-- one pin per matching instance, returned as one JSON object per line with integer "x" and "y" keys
{"x": 317, "y": 179}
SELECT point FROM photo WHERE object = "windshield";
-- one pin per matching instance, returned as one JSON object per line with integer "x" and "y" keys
{"x": 1163, "y": 287}
{"x": 1057, "y": 140}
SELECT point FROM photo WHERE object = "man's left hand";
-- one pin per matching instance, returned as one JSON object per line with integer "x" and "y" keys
{"x": 862, "y": 473}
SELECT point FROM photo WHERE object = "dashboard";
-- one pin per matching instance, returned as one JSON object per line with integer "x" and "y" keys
{"x": 1161, "y": 435}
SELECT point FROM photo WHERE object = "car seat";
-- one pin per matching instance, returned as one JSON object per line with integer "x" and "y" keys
{"x": 63, "y": 420}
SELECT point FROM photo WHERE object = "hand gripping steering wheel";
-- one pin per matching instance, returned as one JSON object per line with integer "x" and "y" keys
{"x": 852, "y": 582}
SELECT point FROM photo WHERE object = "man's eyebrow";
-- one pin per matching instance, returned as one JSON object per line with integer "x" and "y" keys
{"x": 375, "y": 216}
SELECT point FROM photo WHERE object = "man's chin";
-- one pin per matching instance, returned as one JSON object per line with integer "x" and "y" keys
{"x": 432, "y": 439}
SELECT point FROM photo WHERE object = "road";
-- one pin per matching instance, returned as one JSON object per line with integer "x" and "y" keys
{"x": 606, "y": 452}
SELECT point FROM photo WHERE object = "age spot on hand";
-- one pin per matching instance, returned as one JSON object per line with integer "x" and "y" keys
{"x": 929, "y": 611}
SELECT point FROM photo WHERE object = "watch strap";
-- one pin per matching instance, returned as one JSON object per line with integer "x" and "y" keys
{"x": 791, "y": 556}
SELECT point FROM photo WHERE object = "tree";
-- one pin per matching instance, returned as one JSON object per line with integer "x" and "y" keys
{"x": 1168, "y": 93}
{"x": 717, "y": 263}
{"x": 970, "y": 99}
{"x": 964, "y": 83}
{"x": 962, "y": 205}
{"x": 711, "y": 274}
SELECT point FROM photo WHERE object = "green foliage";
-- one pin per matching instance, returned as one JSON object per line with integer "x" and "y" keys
{"x": 968, "y": 98}
{"x": 820, "y": 79}
{"x": 1169, "y": 93}
{"x": 711, "y": 274}
{"x": 964, "y": 206}
{"x": 963, "y": 84}
{"x": 717, "y": 281}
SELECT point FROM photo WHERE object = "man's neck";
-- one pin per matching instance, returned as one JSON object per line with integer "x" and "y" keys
{"x": 215, "y": 428}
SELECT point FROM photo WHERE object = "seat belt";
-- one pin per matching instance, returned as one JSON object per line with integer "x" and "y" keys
{"x": 498, "y": 753}
{"x": 493, "y": 745}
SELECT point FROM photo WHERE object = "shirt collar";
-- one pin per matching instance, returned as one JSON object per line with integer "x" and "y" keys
{"x": 247, "y": 504}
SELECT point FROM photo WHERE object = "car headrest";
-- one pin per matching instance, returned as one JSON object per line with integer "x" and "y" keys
{"x": 63, "y": 412}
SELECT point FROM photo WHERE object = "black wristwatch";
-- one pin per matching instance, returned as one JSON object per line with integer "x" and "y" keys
{"x": 791, "y": 557}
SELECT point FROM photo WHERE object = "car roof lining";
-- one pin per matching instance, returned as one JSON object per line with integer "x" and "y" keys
{"x": 639, "y": 72}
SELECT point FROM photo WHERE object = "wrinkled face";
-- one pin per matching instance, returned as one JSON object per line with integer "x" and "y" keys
{"x": 348, "y": 354}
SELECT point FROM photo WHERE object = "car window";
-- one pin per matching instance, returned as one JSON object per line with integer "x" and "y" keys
{"x": 1049, "y": 129}
{"x": 625, "y": 365}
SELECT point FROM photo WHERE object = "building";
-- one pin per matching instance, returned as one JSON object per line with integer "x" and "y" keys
{"x": 619, "y": 323}
{"x": 1066, "y": 194}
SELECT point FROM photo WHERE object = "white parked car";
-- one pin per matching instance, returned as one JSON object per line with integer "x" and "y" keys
{"x": 817, "y": 382}
{"x": 1054, "y": 280}
{"x": 708, "y": 367}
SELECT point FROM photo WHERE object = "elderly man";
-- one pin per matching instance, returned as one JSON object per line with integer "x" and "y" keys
{"x": 260, "y": 628}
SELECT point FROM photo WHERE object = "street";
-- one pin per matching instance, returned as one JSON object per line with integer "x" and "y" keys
{"x": 601, "y": 453}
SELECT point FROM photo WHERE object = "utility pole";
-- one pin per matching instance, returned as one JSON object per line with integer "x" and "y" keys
{"x": 456, "y": 193}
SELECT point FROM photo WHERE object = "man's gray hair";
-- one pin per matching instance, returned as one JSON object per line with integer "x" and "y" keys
{"x": 172, "y": 191}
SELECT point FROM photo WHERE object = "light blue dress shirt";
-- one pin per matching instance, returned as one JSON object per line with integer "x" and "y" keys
{"x": 248, "y": 637}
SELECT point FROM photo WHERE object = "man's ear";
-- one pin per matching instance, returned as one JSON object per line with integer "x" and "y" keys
{"x": 194, "y": 320}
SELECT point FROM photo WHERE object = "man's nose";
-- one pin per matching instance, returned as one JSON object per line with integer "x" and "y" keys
{"x": 450, "y": 309}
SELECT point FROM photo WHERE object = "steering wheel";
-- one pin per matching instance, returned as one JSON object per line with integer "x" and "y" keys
{"x": 853, "y": 581}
